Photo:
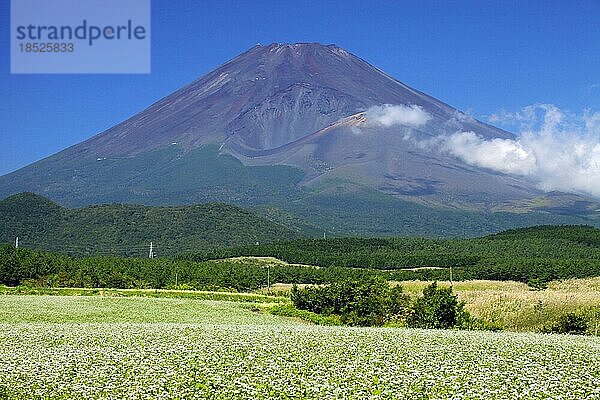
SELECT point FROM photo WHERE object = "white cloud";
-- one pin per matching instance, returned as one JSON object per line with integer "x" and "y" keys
{"x": 592, "y": 121}
{"x": 503, "y": 155}
{"x": 528, "y": 118}
{"x": 555, "y": 149}
{"x": 389, "y": 115}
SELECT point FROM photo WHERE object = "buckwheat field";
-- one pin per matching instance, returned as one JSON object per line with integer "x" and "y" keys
{"x": 189, "y": 349}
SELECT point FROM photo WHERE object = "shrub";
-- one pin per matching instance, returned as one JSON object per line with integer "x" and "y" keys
{"x": 537, "y": 284}
{"x": 439, "y": 308}
{"x": 571, "y": 323}
{"x": 366, "y": 302}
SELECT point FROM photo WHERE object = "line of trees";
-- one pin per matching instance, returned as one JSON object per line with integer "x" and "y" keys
{"x": 23, "y": 266}
{"x": 27, "y": 267}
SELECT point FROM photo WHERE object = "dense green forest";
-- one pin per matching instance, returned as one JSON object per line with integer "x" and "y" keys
{"x": 121, "y": 229}
{"x": 544, "y": 252}
{"x": 532, "y": 254}
{"x": 27, "y": 267}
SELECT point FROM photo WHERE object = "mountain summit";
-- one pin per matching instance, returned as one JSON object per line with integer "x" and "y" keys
{"x": 283, "y": 124}
{"x": 264, "y": 98}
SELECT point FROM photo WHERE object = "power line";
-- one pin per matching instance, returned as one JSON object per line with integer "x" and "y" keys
{"x": 83, "y": 246}
{"x": 121, "y": 249}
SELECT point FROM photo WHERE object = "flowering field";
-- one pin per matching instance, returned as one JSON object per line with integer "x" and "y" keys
{"x": 232, "y": 352}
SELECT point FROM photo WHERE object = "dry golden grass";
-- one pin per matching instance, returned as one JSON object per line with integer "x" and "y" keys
{"x": 515, "y": 306}
{"x": 262, "y": 261}
{"x": 464, "y": 286}
{"x": 280, "y": 289}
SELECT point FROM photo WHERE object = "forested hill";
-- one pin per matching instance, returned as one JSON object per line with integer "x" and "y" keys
{"x": 546, "y": 252}
{"x": 578, "y": 235}
{"x": 124, "y": 229}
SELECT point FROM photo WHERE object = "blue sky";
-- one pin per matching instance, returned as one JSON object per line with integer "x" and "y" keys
{"x": 479, "y": 56}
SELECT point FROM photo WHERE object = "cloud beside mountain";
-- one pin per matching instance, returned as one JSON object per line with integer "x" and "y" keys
{"x": 555, "y": 149}
{"x": 559, "y": 150}
{"x": 388, "y": 115}
{"x": 503, "y": 155}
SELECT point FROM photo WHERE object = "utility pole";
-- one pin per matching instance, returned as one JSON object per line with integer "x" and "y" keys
{"x": 451, "y": 276}
{"x": 268, "y": 278}
{"x": 323, "y": 235}
{"x": 151, "y": 253}
{"x": 17, "y": 243}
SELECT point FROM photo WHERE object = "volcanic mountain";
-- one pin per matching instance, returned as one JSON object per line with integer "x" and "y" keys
{"x": 296, "y": 131}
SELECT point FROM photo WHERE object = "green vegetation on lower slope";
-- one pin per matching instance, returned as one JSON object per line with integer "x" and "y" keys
{"x": 169, "y": 175}
{"x": 366, "y": 212}
{"x": 581, "y": 235}
{"x": 175, "y": 176}
{"x": 124, "y": 229}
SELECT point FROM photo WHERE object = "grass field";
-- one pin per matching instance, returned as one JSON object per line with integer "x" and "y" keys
{"x": 99, "y": 347}
{"x": 152, "y": 293}
{"x": 514, "y": 306}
